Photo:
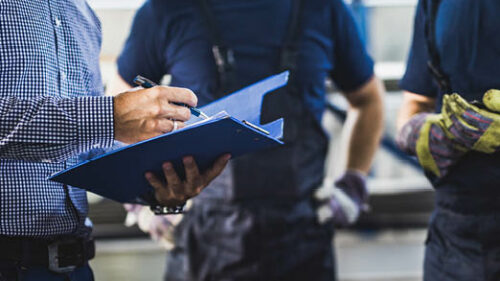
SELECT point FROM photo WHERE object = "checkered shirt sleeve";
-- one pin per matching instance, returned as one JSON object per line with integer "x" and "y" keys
{"x": 53, "y": 129}
{"x": 51, "y": 110}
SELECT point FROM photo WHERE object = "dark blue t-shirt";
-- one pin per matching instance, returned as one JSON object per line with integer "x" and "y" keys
{"x": 171, "y": 37}
{"x": 469, "y": 47}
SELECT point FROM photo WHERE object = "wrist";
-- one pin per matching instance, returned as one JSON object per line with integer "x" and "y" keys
{"x": 356, "y": 173}
{"x": 353, "y": 184}
{"x": 407, "y": 136}
{"x": 167, "y": 208}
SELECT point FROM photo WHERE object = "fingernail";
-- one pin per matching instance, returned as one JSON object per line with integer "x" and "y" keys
{"x": 148, "y": 175}
{"x": 227, "y": 157}
{"x": 167, "y": 166}
{"x": 188, "y": 160}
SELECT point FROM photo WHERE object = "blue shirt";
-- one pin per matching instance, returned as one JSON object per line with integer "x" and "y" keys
{"x": 171, "y": 37}
{"x": 469, "y": 48}
{"x": 50, "y": 111}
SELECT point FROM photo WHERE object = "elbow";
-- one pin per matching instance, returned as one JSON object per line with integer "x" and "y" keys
{"x": 369, "y": 102}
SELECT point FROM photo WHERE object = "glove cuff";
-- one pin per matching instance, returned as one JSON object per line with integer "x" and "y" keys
{"x": 408, "y": 135}
{"x": 353, "y": 184}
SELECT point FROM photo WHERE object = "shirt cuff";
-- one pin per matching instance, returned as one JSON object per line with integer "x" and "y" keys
{"x": 95, "y": 122}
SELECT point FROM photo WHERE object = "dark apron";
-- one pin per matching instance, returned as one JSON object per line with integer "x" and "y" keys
{"x": 463, "y": 242}
{"x": 251, "y": 241}
{"x": 263, "y": 225}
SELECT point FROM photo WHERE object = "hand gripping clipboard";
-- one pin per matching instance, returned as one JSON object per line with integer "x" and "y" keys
{"x": 119, "y": 175}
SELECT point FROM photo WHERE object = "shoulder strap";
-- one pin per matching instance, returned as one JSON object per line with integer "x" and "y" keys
{"x": 290, "y": 47}
{"x": 292, "y": 35}
{"x": 223, "y": 55}
{"x": 434, "y": 62}
{"x": 210, "y": 21}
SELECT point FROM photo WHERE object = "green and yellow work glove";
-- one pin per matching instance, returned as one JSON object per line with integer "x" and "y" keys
{"x": 440, "y": 140}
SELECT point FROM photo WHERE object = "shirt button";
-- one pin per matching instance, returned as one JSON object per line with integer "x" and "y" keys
{"x": 63, "y": 75}
{"x": 57, "y": 22}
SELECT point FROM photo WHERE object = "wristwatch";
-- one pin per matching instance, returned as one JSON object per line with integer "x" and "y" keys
{"x": 157, "y": 209}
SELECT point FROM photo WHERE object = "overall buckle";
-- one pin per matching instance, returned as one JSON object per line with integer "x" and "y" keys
{"x": 62, "y": 250}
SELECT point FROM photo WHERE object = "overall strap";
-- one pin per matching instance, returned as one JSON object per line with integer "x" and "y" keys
{"x": 223, "y": 55}
{"x": 290, "y": 49}
{"x": 434, "y": 63}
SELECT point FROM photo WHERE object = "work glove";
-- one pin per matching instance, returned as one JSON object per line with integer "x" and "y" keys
{"x": 440, "y": 140}
{"x": 159, "y": 227}
{"x": 344, "y": 200}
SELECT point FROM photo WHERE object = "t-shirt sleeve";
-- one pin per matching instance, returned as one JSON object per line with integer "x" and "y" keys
{"x": 142, "y": 53}
{"x": 417, "y": 78}
{"x": 352, "y": 65}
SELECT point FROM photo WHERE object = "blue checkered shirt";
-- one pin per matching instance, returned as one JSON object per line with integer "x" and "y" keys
{"x": 51, "y": 111}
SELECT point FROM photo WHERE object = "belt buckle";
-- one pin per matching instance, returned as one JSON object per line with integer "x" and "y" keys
{"x": 53, "y": 249}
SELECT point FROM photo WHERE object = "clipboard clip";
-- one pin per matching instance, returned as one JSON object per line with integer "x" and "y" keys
{"x": 255, "y": 127}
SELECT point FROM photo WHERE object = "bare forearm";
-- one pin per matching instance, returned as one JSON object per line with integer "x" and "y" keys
{"x": 367, "y": 106}
{"x": 413, "y": 104}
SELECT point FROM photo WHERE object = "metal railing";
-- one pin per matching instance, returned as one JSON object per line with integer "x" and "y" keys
{"x": 388, "y": 143}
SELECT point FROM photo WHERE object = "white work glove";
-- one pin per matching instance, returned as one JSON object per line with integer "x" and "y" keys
{"x": 160, "y": 227}
{"x": 342, "y": 200}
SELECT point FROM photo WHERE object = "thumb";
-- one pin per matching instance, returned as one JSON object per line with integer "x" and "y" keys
{"x": 491, "y": 100}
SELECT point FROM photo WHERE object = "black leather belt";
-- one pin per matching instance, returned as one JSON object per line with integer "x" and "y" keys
{"x": 61, "y": 255}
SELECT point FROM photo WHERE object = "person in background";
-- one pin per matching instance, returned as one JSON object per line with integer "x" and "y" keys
{"x": 51, "y": 111}
{"x": 450, "y": 120}
{"x": 259, "y": 220}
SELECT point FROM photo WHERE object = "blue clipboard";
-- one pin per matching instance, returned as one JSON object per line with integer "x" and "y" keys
{"x": 234, "y": 128}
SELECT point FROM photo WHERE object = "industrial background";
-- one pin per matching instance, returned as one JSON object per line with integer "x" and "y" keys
{"x": 386, "y": 244}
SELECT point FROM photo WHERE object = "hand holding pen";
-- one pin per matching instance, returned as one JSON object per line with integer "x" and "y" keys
{"x": 146, "y": 83}
{"x": 145, "y": 113}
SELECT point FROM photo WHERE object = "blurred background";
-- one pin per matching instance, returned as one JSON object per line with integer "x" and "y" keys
{"x": 386, "y": 244}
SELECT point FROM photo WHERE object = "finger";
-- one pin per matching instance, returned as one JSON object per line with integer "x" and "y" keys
{"x": 179, "y": 95}
{"x": 491, "y": 100}
{"x": 191, "y": 169}
{"x": 476, "y": 120}
{"x": 217, "y": 168}
{"x": 173, "y": 111}
{"x": 163, "y": 125}
{"x": 173, "y": 179}
{"x": 178, "y": 112}
{"x": 468, "y": 115}
{"x": 180, "y": 125}
{"x": 154, "y": 181}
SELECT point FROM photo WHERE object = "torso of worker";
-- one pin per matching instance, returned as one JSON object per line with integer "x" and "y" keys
{"x": 469, "y": 52}
{"x": 49, "y": 112}
{"x": 171, "y": 37}
{"x": 463, "y": 241}
{"x": 243, "y": 223}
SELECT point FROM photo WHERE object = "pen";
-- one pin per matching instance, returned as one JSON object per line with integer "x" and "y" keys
{"x": 146, "y": 83}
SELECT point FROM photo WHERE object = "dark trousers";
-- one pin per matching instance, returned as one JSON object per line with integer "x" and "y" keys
{"x": 13, "y": 272}
{"x": 238, "y": 243}
{"x": 463, "y": 247}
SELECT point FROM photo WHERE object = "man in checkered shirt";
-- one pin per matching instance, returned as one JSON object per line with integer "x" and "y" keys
{"x": 51, "y": 111}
